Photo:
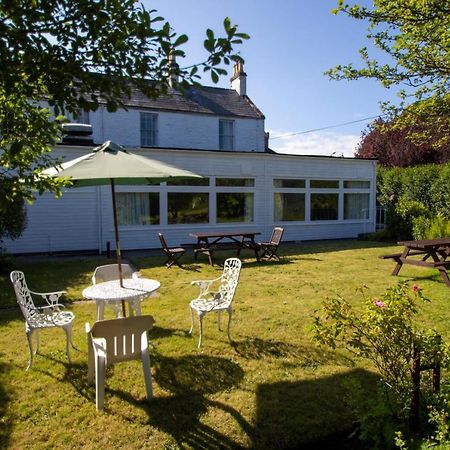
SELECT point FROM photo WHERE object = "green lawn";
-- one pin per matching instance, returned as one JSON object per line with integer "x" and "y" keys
{"x": 273, "y": 388}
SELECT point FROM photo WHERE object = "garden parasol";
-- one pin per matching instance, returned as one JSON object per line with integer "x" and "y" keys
{"x": 112, "y": 164}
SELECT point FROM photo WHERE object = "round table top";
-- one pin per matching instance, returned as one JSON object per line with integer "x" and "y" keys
{"x": 133, "y": 288}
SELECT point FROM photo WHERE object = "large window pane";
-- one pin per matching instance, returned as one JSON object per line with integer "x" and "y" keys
{"x": 356, "y": 206}
{"x": 234, "y": 207}
{"x": 289, "y": 207}
{"x": 324, "y": 206}
{"x": 187, "y": 207}
{"x": 324, "y": 184}
{"x": 137, "y": 208}
{"x": 235, "y": 182}
{"x": 357, "y": 184}
{"x": 286, "y": 183}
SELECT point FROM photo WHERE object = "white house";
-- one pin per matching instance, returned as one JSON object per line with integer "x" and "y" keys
{"x": 218, "y": 133}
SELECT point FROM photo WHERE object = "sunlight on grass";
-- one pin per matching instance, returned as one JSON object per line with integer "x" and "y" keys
{"x": 273, "y": 386}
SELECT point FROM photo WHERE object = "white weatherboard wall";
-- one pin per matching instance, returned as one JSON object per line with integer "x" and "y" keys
{"x": 82, "y": 218}
{"x": 176, "y": 129}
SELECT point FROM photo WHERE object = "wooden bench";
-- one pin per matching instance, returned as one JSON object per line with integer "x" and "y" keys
{"x": 398, "y": 255}
{"x": 209, "y": 249}
{"x": 445, "y": 264}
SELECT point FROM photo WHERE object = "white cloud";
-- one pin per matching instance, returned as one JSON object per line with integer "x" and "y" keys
{"x": 316, "y": 143}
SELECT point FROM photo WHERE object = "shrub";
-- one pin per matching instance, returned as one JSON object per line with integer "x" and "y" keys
{"x": 430, "y": 228}
{"x": 409, "y": 193}
{"x": 384, "y": 332}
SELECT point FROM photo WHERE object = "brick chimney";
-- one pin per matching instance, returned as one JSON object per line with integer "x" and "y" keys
{"x": 239, "y": 79}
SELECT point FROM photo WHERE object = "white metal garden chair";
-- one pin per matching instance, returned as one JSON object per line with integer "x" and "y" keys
{"x": 114, "y": 341}
{"x": 216, "y": 300}
{"x": 37, "y": 317}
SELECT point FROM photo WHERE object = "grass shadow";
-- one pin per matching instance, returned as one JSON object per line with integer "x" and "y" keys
{"x": 179, "y": 416}
{"x": 196, "y": 374}
{"x": 307, "y": 357}
{"x": 282, "y": 407}
{"x": 189, "y": 380}
{"x": 6, "y": 423}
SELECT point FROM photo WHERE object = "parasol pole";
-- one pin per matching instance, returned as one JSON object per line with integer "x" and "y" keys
{"x": 116, "y": 231}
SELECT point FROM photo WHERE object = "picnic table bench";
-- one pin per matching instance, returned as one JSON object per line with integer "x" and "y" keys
{"x": 210, "y": 242}
{"x": 433, "y": 252}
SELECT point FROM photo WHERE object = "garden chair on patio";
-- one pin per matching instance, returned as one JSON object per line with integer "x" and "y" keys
{"x": 173, "y": 253}
{"x": 37, "y": 317}
{"x": 216, "y": 300}
{"x": 114, "y": 341}
{"x": 269, "y": 249}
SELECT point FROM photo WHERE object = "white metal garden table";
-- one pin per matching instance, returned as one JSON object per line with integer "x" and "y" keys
{"x": 111, "y": 294}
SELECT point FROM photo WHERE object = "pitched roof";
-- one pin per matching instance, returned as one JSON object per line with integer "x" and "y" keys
{"x": 204, "y": 100}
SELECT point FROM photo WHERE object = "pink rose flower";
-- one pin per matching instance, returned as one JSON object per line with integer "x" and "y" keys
{"x": 379, "y": 303}
{"x": 415, "y": 288}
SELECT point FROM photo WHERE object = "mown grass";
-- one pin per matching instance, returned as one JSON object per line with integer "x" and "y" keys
{"x": 273, "y": 388}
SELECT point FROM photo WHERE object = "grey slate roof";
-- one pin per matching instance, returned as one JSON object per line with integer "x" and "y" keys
{"x": 204, "y": 100}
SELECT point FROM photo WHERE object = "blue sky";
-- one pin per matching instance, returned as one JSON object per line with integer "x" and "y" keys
{"x": 292, "y": 43}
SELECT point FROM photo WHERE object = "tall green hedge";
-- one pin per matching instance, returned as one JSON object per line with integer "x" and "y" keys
{"x": 417, "y": 200}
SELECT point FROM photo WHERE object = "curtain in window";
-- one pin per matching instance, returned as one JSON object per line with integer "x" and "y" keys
{"x": 356, "y": 206}
{"x": 133, "y": 208}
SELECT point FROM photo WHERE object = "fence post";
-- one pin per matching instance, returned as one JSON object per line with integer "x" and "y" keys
{"x": 415, "y": 401}
{"x": 437, "y": 369}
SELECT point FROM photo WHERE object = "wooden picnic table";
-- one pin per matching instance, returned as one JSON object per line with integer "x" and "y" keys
{"x": 433, "y": 253}
{"x": 210, "y": 241}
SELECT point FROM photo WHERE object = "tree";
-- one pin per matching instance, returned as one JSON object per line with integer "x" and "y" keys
{"x": 394, "y": 148}
{"x": 415, "y": 36}
{"x": 13, "y": 220}
{"x": 75, "y": 54}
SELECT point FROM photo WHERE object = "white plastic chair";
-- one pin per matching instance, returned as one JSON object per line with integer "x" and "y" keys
{"x": 47, "y": 316}
{"x": 110, "y": 272}
{"x": 114, "y": 341}
{"x": 217, "y": 300}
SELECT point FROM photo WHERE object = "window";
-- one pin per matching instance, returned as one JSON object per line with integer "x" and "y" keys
{"x": 324, "y": 184}
{"x": 285, "y": 183}
{"x": 149, "y": 129}
{"x": 137, "y": 208}
{"x": 357, "y": 184}
{"x": 289, "y": 207}
{"x": 189, "y": 182}
{"x": 82, "y": 117}
{"x": 356, "y": 206}
{"x": 324, "y": 206}
{"x": 226, "y": 134}
{"x": 234, "y": 207}
{"x": 235, "y": 182}
{"x": 187, "y": 207}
